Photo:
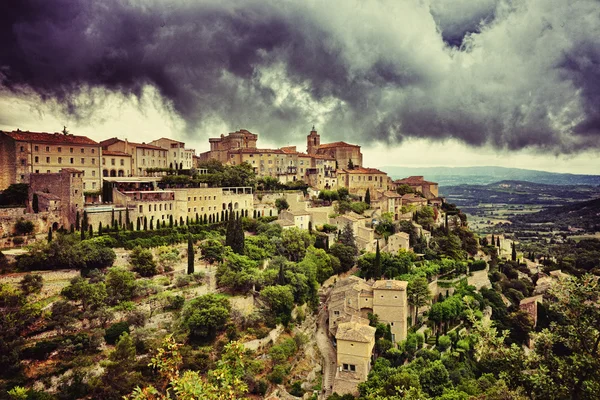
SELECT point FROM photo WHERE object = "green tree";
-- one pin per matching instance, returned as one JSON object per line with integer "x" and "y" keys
{"x": 368, "y": 197}
{"x": 143, "y": 262}
{"x": 35, "y": 206}
{"x": 350, "y": 164}
{"x": 204, "y": 316}
{"x": 190, "y": 256}
{"x": 280, "y": 301}
{"x": 31, "y": 283}
{"x": 294, "y": 242}
{"x": 345, "y": 254}
{"x": 377, "y": 263}
{"x": 120, "y": 285}
{"x": 91, "y": 295}
{"x": 212, "y": 251}
{"x": 418, "y": 294}
{"x": 514, "y": 252}
{"x": 281, "y": 204}
{"x": 49, "y": 235}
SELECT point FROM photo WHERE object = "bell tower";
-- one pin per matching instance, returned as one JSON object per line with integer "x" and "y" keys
{"x": 313, "y": 141}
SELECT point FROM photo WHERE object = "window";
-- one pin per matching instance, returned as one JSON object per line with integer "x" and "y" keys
{"x": 103, "y": 161}
{"x": 349, "y": 367}
{"x": 123, "y": 162}
{"x": 93, "y": 161}
{"x": 37, "y": 159}
{"x": 36, "y": 148}
{"x": 93, "y": 173}
{"x": 71, "y": 150}
{"x": 71, "y": 160}
{"x": 82, "y": 150}
{"x": 112, "y": 161}
{"x": 60, "y": 149}
{"x": 336, "y": 313}
{"x": 83, "y": 160}
{"x": 47, "y": 148}
{"x": 93, "y": 185}
{"x": 84, "y": 185}
{"x": 60, "y": 160}
{"x": 141, "y": 209}
{"x": 37, "y": 171}
{"x": 47, "y": 171}
{"x": 93, "y": 151}
{"x": 22, "y": 161}
{"x": 22, "y": 149}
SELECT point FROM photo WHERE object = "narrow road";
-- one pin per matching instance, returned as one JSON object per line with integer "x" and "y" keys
{"x": 327, "y": 351}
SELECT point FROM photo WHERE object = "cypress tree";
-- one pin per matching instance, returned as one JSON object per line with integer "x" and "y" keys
{"x": 112, "y": 217}
{"x": 246, "y": 213}
{"x": 180, "y": 221}
{"x": 100, "y": 228}
{"x": 151, "y": 224}
{"x": 309, "y": 226}
{"x": 138, "y": 224}
{"x": 164, "y": 224}
{"x": 205, "y": 219}
{"x": 72, "y": 228}
{"x": 187, "y": 221}
{"x": 368, "y": 197}
{"x": 514, "y": 252}
{"x": 77, "y": 221}
{"x": 84, "y": 222}
{"x": 239, "y": 236}
{"x": 127, "y": 221}
{"x": 35, "y": 203}
{"x": 254, "y": 214}
{"x": 229, "y": 233}
{"x": 120, "y": 219}
{"x": 493, "y": 240}
{"x": 197, "y": 219}
{"x": 49, "y": 235}
{"x": 145, "y": 223}
{"x": 498, "y": 241}
{"x": 190, "y": 269}
{"x": 91, "y": 229}
{"x": 175, "y": 224}
{"x": 82, "y": 233}
{"x": 377, "y": 263}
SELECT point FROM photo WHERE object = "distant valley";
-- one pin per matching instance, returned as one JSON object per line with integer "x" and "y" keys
{"x": 451, "y": 176}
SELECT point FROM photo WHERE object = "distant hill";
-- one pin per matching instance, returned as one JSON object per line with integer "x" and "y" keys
{"x": 518, "y": 192}
{"x": 449, "y": 176}
{"x": 584, "y": 215}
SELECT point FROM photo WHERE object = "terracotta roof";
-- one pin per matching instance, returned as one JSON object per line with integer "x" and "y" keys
{"x": 114, "y": 140}
{"x": 531, "y": 299}
{"x": 355, "y": 332}
{"x": 390, "y": 284}
{"x": 363, "y": 170}
{"x": 289, "y": 149}
{"x": 70, "y": 170}
{"x": 414, "y": 180}
{"x": 147, "y": 146}
{"x": 257, "y": 151}
{"x": 170, "y": 140}
{"x": 411, "y": 197}
{"x": 389, "y": 193}
{"x": 115, "y": 153}
{"x": 336, "y": 144}
{"x": 44, "y": 137}
{"x": 108, "y": 142}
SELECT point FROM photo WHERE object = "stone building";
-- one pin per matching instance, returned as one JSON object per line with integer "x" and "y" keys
{"x": 116, "y": 163}
{"x": 355, "y": 343}
{"x": 60, "y": 192}
{"x": 358, "y": 180}
{"x": 285, "y": 164}
{"x": 178, "y": 156}
{"x": 299, "y": 219}
{"x": 418, "y": 184}
{"x": 342, "y": 152}
{"x": 530, "y": 306}
{"x": 24, "y": 154}
{"x": 396, "y": 242}
{"x": 143, "y": 156}
{"x": 388, "y": 202}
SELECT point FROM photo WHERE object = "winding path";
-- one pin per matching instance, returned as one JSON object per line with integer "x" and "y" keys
{"x": 327, "y": 351}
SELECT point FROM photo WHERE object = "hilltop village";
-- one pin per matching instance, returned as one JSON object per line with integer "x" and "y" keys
{"x": 135, "y": 269}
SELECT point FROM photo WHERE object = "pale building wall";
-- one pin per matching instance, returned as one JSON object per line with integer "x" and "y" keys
{"x": 392, "y": 308}
{"x": 354, "y": 353}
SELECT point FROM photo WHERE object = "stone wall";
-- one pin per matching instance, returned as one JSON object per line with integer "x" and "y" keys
{"x": 41, "y": 222}
{"x": 8, "y": 161}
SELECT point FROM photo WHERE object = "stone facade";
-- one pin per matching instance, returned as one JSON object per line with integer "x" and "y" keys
{"x": 64, "y": 190}
{"x": 358, "y": 180}
{"x": 116, "y": 163}
{"x": 418, "y": 184}
{"x": 220, "y": 147}
{"x": 342, "y": 152}
{"x": 355, "y": 343}
{"x": 143, "y": 156}
{"x": 396, "y": 242}
{"x": 299, "y": 219}
{"x": 177, "y": 155}
{"x": 28, "y": 153}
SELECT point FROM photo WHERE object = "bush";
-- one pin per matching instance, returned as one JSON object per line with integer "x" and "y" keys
{"x": 31, "y": 283}
{"x": 279, "y": 373}
{"x": 40, "y": 351}
{"x": 175, "y": 303}
{"x": 478, "y": 265}
{"x": 114, "y": 331}
{"x": 143, "y": 262}
{"x": 18, "y": 241}
{"x": 444, "y": 343}
{"x": 296, "y": 389}
{"x": 23, "y": 227}
{"x": 182, "y": 280}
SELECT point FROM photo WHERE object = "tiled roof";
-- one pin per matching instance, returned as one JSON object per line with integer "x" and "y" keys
{"x": 531, "y": 299}
{"x": 58, "y": 138}
{"x": 390, "y": 284}
{"x": 111, "y": 141}
{"x": 355, "y": 332}
{"x": 289, "y": 149}
{"x": 414, "y": 180}
{"x": 363, "y": 170}
{"x": 336, "y": 144}
{"x": 71, "y": 170}
{"x": 146, "y": 146}
{"x": 257, "y": 151}
{"x": 170, "y": 140}
{"x": 115, "y": 153}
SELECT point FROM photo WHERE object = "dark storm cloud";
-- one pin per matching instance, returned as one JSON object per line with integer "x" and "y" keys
{"x": 525, "y": 74}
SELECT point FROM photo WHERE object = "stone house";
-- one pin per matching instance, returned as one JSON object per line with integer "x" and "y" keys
{"x": 420, "y": 185}
{"x": 143, "y": 156}
{"x": 300, "y": 219}
{"x": 178, "y": 156}
{"x": 396, "y": 242}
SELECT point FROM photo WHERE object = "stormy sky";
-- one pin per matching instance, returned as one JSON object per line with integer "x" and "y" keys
{"x": 497, "y": 77}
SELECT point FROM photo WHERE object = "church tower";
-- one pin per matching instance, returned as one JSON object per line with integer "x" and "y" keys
{"x": 313, "y": 141}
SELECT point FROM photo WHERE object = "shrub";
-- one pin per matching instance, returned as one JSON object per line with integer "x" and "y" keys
{"x": 143, "y": 262}
{"x": 182, "y": 280}
{"x": 23, "y": 227}
{"x": 40, "y": 351}
{"x": 478, "y": 265}
{"x": 31, "y": 283}
{"x": 114, "y": 331}
{"x": 278, "y": 374}
{"x": 18, "y": 241}
{"x": 175, "y": 302}
{"x": 444, "y": 343}
{"x": 296, "y": 389}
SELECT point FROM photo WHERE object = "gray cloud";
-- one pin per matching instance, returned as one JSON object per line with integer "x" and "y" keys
{"x": 512, "y": 74}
